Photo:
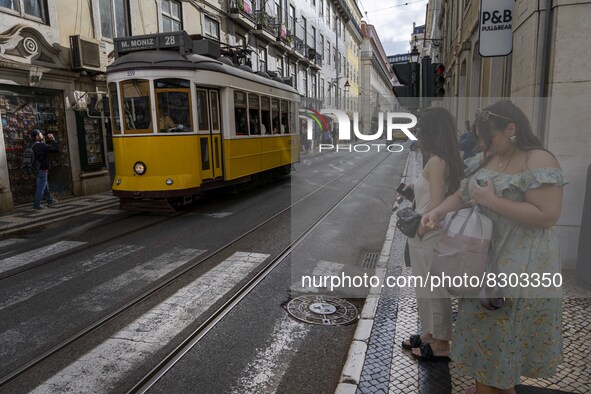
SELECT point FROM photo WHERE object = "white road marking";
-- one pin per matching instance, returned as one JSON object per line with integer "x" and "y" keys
{"x": 264, "y": 373}
{"x": 322, "y": 268}
{"x": 101, "y": 369}
{"x": 33, "y": 286}
{"x": 219, "y": 215}
{"x": 11, "y": 241}
{"x": 37, "y": 254}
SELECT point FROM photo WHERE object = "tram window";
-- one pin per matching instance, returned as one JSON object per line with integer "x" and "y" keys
{"x": 204, "y": 154}
{"x": 240, "y": 113}
{"x": 254, "y": 114}
{"x": 215, "y": 114}
{"x": 265, "y": 115}
{"x": 173, "y": 97}
{"x": 115, "y": 116}
{"x": 275, "y": 115}
{"x": 202, "y": 110}
{"x": 136, "y": 106}
{"x": 284, "y": 118}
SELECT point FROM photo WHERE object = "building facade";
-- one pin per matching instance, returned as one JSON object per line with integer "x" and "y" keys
{"x": 545, "y": 75}
{"x": 376, "y": 80}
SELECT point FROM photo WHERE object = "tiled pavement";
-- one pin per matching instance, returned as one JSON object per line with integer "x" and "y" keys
{"x": 25, "y": 217}
{"x": 377, "y": 363}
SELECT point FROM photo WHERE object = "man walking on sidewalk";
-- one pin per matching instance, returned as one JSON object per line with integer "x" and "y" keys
{"x": 41, "y": 149}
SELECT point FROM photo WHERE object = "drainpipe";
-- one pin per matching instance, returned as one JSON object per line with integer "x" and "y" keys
{"x": 544, "y": 75}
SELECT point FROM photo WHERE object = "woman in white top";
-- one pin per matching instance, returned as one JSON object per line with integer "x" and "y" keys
{"x": 440, "y": 177}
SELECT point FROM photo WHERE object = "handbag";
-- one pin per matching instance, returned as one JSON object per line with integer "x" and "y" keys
{"x": 408, "y": 221}
{"x": 464, "y": 249}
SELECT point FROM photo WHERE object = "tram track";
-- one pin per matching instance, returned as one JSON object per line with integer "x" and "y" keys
{"x": 21, "y": 371}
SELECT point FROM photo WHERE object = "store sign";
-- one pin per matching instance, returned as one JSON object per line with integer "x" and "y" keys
{"x": 496, "y": 27}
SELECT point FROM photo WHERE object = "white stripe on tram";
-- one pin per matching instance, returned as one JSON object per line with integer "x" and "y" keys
{"x": 34, "y": 286}
{"x": 37, "y": 254}
{"x": 101, "y": 369}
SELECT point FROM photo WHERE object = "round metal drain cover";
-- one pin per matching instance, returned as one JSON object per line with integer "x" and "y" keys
{"x": 322, "y": 310}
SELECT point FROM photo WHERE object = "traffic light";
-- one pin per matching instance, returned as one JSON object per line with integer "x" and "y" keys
{"x": 438, "y": 80}
{"x": 407, "y": 75}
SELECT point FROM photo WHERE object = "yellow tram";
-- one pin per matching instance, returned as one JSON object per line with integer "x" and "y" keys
{"x": 185, "y": 122}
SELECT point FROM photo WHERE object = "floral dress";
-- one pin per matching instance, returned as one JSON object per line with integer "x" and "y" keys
{"x": 524, "y": 337}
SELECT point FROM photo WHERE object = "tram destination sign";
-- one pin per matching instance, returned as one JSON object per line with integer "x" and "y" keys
{"x": 178, "y": 40}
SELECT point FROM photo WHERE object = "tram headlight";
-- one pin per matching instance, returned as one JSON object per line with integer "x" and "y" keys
{"x": 169, "y": 181}
{"x": 139, "y": 168}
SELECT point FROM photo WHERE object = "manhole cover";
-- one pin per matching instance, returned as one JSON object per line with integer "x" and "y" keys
{"x": 322, "y": 310}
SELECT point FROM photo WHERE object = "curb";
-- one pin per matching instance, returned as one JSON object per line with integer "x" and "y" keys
{"x": 351, "y": 373}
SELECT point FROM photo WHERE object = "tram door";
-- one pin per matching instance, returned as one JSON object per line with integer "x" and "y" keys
{"x": 210, "y": 137}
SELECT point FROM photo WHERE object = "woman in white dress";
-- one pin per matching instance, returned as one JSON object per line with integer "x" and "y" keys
{"x": 440, "y": 177}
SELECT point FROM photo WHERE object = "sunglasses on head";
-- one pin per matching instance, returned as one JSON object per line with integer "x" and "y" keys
{"x": 485, "y": 115}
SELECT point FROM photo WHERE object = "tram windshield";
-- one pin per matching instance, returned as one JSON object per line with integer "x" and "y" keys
{"x": 173, "y": 98}
{"x": 136, "y": 106}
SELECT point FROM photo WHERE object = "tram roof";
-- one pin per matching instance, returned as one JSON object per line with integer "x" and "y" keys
{"x": 172, "y": 60}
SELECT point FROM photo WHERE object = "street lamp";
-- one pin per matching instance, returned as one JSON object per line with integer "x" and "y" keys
{"x": 414, "y": 55}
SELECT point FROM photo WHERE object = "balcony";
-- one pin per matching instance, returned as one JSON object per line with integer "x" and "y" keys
{"x": 242, "y": 13}
{"x": 283, "y": 37}
{"x": 265, "y": 25}
{"x": 299, "y": 47}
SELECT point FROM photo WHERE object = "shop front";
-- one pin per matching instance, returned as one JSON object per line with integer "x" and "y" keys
{"x": 22, "y": 110}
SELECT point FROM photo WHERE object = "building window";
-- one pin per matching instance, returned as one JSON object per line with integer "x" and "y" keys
{"x": 328, "y": 13}
{"x": 314, "y": 3}
{"x": 262, "y": 59}
{"x": 212, "y": 27}
{"x": 280, "y": 66}
{"x": 313, "y": 35}
{"x": 30, "y": 9}
{"x": 305, "y": 82}
{"x": 321, "y": 51}
{"x": 114, "y": 24}
{"x": 322, "y": 87}
{"x": 329, "y": 54}
{"x": 321, "y": 7}
{"x": 291, "y": 23}
{"x": 292, "y": 74}
{"x": 171, "y": 16}
{"x": 305, "y": 26}
{"x": 314, "y": 87}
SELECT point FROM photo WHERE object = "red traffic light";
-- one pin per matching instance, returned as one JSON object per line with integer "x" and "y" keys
{"x": 440, "y": 69}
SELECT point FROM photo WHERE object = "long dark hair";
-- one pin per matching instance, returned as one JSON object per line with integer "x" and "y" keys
{"x": 507, "y": 113}
{"x": 439, "y": 137}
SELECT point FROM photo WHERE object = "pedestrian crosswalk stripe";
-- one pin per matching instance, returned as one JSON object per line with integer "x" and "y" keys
{"x": 265, "y": 371}
{"x": 93, "y": 301}
{"x": 33, "y": 286}
{"x": 11, "y": 241}
{"x": 102, "y": 369}
{"x": 37, "y": 254}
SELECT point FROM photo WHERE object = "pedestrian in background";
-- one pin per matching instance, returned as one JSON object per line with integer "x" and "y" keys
{"x": 41, "y": 150}
{"x": 440, "y": 177}
{"x": 518, "y": 185}
{"x": 468, "y": 143}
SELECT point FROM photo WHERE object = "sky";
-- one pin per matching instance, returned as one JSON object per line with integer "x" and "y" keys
{"x": 393, "y": 21}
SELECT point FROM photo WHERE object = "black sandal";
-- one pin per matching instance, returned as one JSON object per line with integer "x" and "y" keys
{"x": 427, "y": 354}
{"x": 415, "y": 341}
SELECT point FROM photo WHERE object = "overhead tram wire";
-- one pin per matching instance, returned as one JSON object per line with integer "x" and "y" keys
{"x": 398, "y": 5}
